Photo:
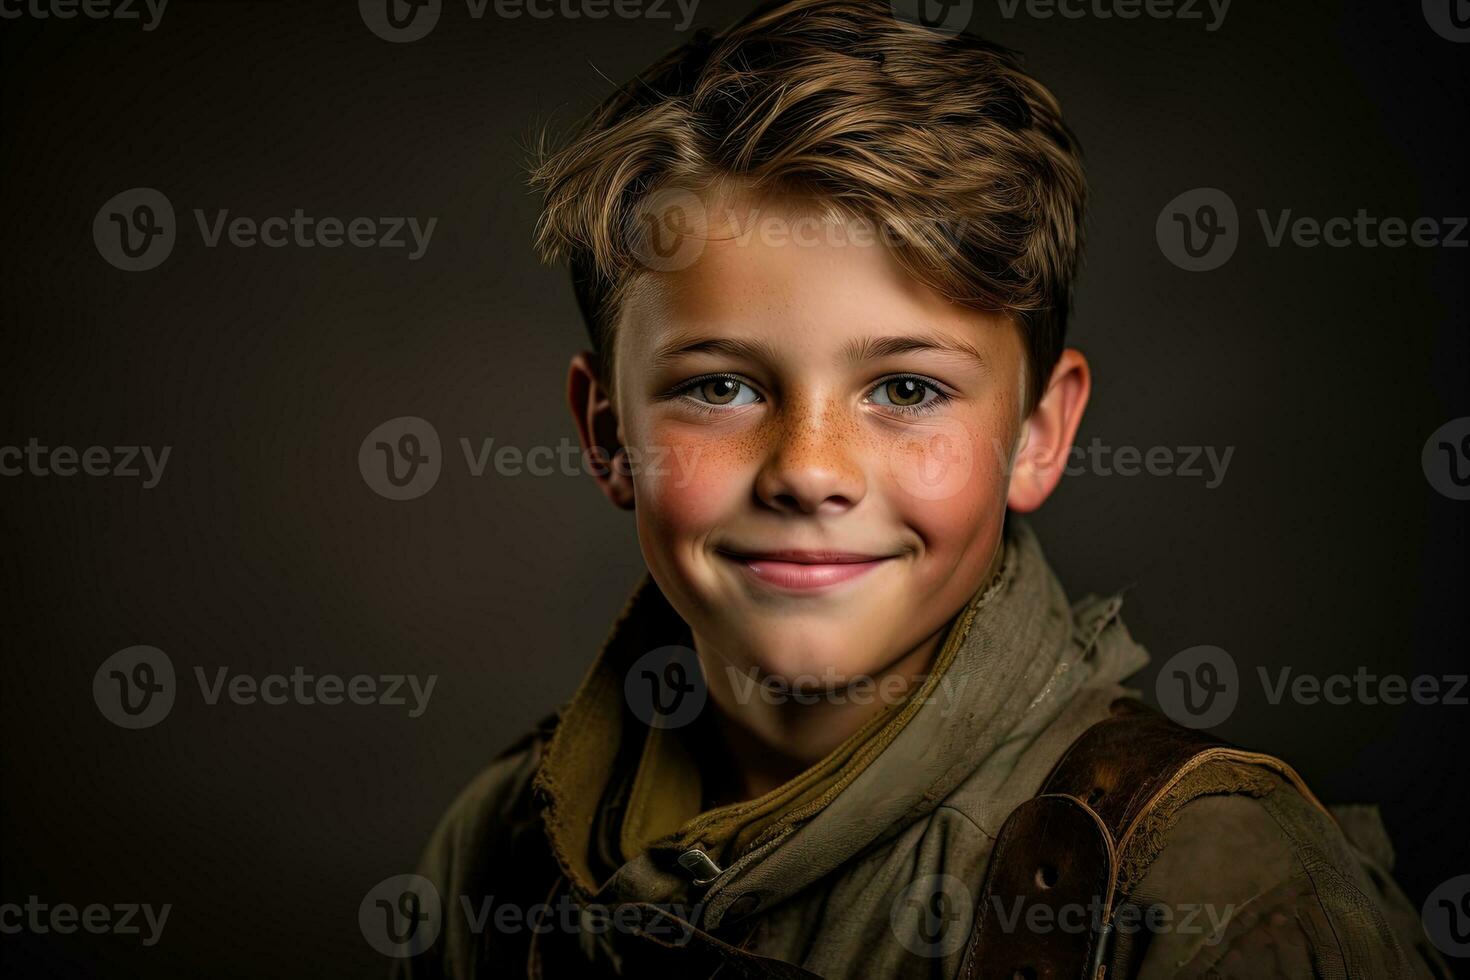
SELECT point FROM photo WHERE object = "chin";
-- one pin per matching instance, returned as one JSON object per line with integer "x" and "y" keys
{"x": 832, "y": 655}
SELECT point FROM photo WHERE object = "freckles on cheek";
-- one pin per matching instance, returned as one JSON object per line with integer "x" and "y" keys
{"x": 949, "y": 477}
{"x": 692, "y": 480}
{"x": 943, "y": 459}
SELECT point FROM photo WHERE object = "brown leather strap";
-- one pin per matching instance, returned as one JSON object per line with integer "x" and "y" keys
{"x": 1055, "y": 870}
{"x": 1034, "y": 920}
{"x": 1125, "y": 764}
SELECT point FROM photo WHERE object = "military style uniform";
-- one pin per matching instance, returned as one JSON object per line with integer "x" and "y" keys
{"x": 1018, "y": 815}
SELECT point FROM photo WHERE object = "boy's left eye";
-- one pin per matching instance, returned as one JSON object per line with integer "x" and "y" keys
{"x": 723, "y": 391}
{"x": 906, "y": 393}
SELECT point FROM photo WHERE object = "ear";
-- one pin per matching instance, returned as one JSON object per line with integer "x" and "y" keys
{"x": 597, "y": 428}
{"x": 1046, "y": 440}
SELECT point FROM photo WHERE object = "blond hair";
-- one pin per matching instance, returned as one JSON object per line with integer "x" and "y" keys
{"x": 940, "y": 140}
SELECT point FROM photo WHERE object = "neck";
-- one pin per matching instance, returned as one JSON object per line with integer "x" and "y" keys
{"x": 754, "y": 746}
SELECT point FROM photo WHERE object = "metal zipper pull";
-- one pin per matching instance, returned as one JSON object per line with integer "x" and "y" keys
{"x": 700, "y": 866}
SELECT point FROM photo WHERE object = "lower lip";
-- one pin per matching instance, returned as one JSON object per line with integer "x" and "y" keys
{"x": 804, "y": 577}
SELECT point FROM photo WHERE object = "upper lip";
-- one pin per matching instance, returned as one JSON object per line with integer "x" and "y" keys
{"x": 803, "y": 556}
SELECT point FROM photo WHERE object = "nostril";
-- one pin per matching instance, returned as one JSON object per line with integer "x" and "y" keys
{"x": 787, "y": 502}
{"x": 835, "y": 503}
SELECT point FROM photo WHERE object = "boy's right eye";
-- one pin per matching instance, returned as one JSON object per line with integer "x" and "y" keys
{"x": 721, "y": 390}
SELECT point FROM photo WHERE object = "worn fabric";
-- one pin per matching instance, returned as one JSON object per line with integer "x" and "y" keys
{"x": 836, "y": 876}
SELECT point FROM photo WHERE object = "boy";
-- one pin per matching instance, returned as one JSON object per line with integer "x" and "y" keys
{"x": 850, "y": 725}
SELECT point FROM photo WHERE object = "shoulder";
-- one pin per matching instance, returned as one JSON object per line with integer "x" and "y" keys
{"x": 488, "y": 843}
{"x": 1229, "y": 863}
{"x": 1252, "y": 876}
{"x": 494, "y": 810}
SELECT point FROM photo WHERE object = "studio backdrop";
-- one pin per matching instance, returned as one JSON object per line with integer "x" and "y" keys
{"x": 245, "y": 671}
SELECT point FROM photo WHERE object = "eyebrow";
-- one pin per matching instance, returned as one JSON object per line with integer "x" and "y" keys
{"x": 755, "y": 350}
{"x": 855, "y": 351}
{"x": 871, "y": 348}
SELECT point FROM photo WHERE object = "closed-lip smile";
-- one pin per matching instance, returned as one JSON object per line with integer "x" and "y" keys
{"x": 804, "y": 570}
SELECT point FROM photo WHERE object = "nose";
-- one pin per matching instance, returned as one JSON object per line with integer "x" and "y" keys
{"x": 811, "y": 466}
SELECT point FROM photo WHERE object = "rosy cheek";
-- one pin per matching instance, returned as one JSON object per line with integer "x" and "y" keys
{"x": 932, "y": 460}
{"x": 693, "y": 479}
{"x": 947, "y": 475}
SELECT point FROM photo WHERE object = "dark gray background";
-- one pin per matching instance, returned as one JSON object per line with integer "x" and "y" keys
{"x": 263, "y": 549}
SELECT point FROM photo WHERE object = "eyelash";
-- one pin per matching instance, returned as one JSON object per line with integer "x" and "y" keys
{"x": 682, "y": 391}
{"x": 923, "y": 408}
{"x": 941, "y": 397}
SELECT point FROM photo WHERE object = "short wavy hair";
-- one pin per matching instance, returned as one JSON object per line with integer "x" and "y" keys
{"x": 939, "y": 139}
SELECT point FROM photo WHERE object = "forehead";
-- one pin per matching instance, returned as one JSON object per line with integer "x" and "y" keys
{"x": 792, "y": 273}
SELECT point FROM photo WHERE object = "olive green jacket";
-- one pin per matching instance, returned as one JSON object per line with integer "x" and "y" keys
{"x": 880, "y": 877}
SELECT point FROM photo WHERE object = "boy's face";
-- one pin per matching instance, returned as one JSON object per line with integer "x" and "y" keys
{"x": 819, "y": 448}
